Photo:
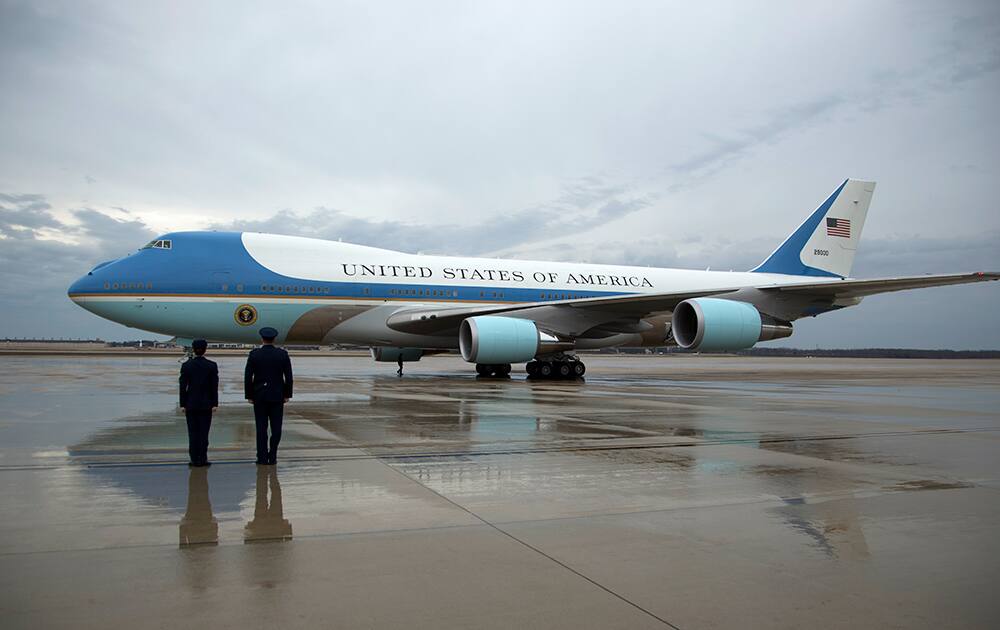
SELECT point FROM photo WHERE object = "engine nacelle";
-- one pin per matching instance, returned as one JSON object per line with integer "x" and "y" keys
{"x": 719, "y": 324}
{"x": 392, "y": 355}
{"x": 492, "y": 339}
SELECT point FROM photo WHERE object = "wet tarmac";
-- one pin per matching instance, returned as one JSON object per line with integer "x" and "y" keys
{"x": 679, "y": 491}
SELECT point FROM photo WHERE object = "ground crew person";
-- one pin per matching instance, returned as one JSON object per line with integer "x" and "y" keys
{"x": 199, "y": 397}
{"x": 267, "y": 384}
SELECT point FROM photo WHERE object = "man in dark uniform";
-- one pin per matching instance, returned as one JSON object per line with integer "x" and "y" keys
{"x": 267, "y": 383}
{"x": 199, "y": 398}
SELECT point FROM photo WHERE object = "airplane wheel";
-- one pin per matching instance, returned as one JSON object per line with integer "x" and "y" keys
{"x": 483, "y": 370}
{"x": 564, "y": 370}
{"x": 545, "y": 369}
{"x": 531, "y": 368}
{"x": 579, "y": 369}
{"x": 503, "y": 369}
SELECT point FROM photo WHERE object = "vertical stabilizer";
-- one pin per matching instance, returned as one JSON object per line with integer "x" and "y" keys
{"x": 825, "y": 244}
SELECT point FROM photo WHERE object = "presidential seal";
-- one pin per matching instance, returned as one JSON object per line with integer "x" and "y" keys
{"x": 245, "y": 315}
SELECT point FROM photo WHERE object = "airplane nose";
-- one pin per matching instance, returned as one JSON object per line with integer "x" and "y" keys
{"x": 83, "y": 284}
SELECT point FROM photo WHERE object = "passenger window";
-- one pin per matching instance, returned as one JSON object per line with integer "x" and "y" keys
{"x": 225, "y": 287}
{"x": 239, "y": 287}
{"x": 149, "y": 285}
{"x": 107, "y": 285}
{"x": 114, "y": 286}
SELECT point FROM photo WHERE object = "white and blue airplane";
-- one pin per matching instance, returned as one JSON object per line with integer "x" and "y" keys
{"x": 225, "y": 286}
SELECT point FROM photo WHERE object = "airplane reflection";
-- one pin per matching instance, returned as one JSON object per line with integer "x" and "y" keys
{"x": 269, "y": 522}
{"x": 198, "y": 526}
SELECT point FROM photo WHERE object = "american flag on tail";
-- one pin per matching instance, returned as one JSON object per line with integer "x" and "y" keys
{"x": 838, "y": 227}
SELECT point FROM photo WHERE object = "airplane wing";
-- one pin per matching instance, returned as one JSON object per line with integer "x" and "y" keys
{"x": 571, "y": 317}
{"x": 838, "y": 289}
{"x": 622, "y": 312}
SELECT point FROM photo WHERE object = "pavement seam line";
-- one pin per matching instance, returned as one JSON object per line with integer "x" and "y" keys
{"x": 532, "y": 547}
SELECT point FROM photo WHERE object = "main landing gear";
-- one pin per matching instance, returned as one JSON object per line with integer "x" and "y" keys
{"x": 498, "y": 370}
{"x": 564, "y": 367}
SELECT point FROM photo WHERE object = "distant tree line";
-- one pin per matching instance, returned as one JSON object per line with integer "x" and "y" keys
{"x": 859, "y": 353}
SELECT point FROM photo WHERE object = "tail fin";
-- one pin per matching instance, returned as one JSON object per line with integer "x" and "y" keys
{"x": 825, "y": 243}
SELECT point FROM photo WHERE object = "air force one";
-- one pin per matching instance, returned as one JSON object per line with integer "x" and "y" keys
{"x": 225, "y": 286}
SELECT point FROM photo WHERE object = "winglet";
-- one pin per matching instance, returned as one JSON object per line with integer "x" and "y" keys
{"x": 825, "y": 244}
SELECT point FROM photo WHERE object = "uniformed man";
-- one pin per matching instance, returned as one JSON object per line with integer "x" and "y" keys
{"x": 267, "y": 383}
{"x": 199, "y": 397}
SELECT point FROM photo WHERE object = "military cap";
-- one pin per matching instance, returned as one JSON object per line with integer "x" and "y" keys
{"x": 199, "y": 344}
{"x": 268, "y": 333}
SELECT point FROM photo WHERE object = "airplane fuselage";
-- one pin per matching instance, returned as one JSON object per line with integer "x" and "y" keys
{"x": 225, "y": 286}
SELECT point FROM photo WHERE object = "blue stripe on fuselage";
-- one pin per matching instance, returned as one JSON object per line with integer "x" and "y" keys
{"x": 200, "y": 263}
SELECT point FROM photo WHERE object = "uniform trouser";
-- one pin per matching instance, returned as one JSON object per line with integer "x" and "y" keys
{"x": 264, "y": 412}
{"x": 199, "y": 421}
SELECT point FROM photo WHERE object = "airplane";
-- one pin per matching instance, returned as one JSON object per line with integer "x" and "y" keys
{"x": 225, "y": 286}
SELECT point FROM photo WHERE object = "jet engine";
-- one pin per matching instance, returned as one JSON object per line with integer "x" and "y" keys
{"x": 719, "y": 324}
{"x": 392, "y": 355}
{"x": 491, "y": 339}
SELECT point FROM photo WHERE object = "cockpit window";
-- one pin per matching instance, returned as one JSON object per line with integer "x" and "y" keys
{"x": 158, "y": 244}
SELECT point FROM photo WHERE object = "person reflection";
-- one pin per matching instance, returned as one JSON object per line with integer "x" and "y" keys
{"x": 198, "y": 526}
{"x": 268, "y": 522}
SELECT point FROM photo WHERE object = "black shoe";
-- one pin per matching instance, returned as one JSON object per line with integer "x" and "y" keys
{"x": 262, "y": 462}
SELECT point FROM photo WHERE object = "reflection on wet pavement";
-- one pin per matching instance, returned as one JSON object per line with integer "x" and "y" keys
{"x": 269, "y": 522}
{"x": 198, "y": 526}
{"x": 825, "y": 491}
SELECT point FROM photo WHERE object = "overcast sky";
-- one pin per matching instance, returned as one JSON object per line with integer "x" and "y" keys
{"x": 642, "y": 133}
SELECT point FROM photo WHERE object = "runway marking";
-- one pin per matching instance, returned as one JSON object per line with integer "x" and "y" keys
{"x": 534, "y": 549}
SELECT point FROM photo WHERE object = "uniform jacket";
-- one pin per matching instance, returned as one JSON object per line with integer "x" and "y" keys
{"x": 199, "y": 384}
{"x": 268, "y": 375}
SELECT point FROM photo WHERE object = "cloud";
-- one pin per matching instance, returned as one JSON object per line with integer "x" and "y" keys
{"x": 771, "y": 129}
{"x": 583, "y": 204}
{"x": 21, "y": 215}
{"x": 968, "y": 54}
{"x": 37, "y": 268}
